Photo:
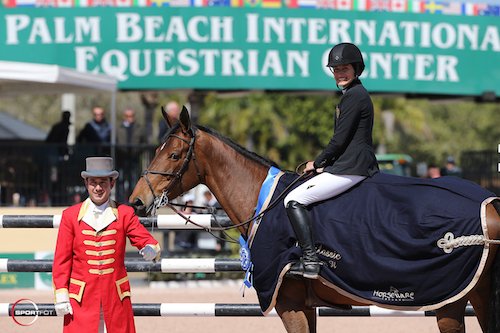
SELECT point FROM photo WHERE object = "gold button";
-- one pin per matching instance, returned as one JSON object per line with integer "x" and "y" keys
{"x": 100, "y": 253}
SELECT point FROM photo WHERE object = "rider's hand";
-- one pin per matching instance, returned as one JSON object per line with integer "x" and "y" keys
{"x": 309, "y": 166}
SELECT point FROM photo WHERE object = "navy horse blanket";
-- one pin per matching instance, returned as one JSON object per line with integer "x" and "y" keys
{"x": 386, "y": 241}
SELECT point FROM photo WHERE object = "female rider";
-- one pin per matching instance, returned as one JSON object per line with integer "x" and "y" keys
{"x": 347, "y": 159}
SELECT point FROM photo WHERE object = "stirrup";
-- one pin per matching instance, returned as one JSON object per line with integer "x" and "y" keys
{"x": 311, "y": 269}
{"x": 298, "y": 269}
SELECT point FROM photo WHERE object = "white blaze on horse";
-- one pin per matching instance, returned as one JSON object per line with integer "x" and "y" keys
{"x": 193, "y": 155}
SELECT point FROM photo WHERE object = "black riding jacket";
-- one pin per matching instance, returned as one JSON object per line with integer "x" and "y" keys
{"x": 350, "y": 150}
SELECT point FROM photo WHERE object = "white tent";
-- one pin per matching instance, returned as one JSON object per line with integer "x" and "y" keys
{"x": 29, "y": 78}
{"x": 21, "y": 78}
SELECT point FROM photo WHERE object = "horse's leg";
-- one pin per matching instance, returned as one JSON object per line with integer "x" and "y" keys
{"x": 480, "y": 300}
{"x": 291, "y": 306}
{"x": 450, "y": 318}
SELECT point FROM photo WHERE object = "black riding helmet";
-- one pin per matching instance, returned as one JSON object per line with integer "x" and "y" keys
{"x": 346, "y": 53}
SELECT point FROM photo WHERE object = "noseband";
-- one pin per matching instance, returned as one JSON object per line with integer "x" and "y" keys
{"x": 162, "y": 200}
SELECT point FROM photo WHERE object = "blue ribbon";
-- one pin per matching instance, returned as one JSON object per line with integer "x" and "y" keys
{"x": 245, "y": 259}
{"x": 246, "y": 262}
{"x": 266, "y": 188}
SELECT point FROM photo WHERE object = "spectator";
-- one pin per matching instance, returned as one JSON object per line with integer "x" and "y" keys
{"x": 451, "y": 169}
{"x": 98, "y": 130}
{"x": 91, "y": 286}
{"x": 129, "y": 135}
{"x": 210, "y": 201}
{"x": 433, "y": 171}
{"x": 213, "y": 205}
{"x": 173, "y": 109}
{"x": 58, "y": 134}
{"x": 187, "y": 239}
{"x": 59, "y": 131}
{"x": 129, "y": 132}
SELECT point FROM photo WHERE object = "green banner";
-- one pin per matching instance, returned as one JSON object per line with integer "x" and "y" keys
{"x": 254, "y": 48}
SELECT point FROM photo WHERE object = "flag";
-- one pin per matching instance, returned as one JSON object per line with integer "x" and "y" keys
{"x": 452, "y": 8}
{"x": 160, "y": 3}
{"x": 253, "y": 3}
{"x": 344, "y": 4}
{"x": 45, "y": 3}
{"x": 65, "y": 3}
{"x": 416, "y": 6}
{"x": 433, "y": 7}
{"x": 360, "y": 5}
{"x": 142, "y": 3}
{"x": 271, "y": 3}
{"x": 399, "y": 6}
{"x": 197, "y": 3}
{"x": 101, "y": 3}
{"x": 218, "y": 3}
{"x": 9, "y": 3}
{"x": 325, "y": 4}
{"x": 306, "y": 3}
{"x": 236, "y": 3}
{"x": 180, "y": 3}
{"x": 378, "y": 5}
{"x": 123, "y": 3}
{"x": 25, "y": 3}
{"x": 469, "y": 9}
{"x": 488, "y": 10}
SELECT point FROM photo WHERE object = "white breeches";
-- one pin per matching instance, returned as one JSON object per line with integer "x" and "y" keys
{"x": 321, "y": 187}
{"x": 102, "y": 324}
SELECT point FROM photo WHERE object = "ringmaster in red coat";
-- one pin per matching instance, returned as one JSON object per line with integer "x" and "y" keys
{"x": 91, "y": 285}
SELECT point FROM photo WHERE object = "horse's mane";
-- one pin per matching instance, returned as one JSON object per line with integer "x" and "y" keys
{"x": 251, "y": 155}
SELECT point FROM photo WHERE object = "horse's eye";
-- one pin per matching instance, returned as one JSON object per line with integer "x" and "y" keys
{"x": 175, "y": 156}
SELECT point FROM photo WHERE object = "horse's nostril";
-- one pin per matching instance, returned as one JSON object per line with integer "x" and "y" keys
{"x": 139, "y": 207}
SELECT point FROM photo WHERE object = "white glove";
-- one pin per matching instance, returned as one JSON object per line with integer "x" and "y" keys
{"x": 148, "y": 252}
{"x": 63, "y": 308}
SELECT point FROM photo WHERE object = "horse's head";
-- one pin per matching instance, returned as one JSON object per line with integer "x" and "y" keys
{"x": 173, "y": 169}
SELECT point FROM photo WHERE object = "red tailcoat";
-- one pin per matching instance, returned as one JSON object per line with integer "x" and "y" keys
{"x": 89, "y": 265}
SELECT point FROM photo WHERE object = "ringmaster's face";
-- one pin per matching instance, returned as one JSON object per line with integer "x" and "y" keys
{"x": 99, "y": 189}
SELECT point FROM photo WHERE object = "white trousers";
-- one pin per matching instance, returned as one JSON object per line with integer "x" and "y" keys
{"x": 321, "y": 187}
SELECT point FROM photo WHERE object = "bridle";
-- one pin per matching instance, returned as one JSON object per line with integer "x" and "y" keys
{"x": 162, "y": 200}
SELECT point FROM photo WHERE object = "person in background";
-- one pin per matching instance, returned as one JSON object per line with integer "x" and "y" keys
{"x": 187, "y": 239}
{"x": 59, "y": 131}
{"x": 347, "y": 160}
{"x": 173, "y": 109}
{"x": 213, "y": 207}
{"x": 433, "y": 171}
{"x": 98, "y": 130}
{"x": 91, "y": 286}
{"x": 129, "y": 132}
{"x": 451, "y": 169}
{"x": 210, "y": 201}
{"x": 129, "y": 135}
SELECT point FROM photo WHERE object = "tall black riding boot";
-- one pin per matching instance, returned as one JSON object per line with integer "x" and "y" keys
{"x": 301, "y": 224}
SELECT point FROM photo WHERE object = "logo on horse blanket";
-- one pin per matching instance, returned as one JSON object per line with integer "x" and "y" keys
{"x": 379, "y": 241}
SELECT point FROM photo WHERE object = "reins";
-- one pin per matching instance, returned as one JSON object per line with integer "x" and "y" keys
{"x": 162, "y": 200}
{"x": 241, "y": 224}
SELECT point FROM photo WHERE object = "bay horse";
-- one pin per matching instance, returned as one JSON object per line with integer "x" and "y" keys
{"x": 191, "y": 155}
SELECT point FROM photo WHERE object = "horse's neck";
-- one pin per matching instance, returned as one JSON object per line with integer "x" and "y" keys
{"x": 234, "y": 179}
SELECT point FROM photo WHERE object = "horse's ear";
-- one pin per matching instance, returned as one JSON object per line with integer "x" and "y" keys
{"x": 184, "y": 119}
{"x": 170, "y": 120}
